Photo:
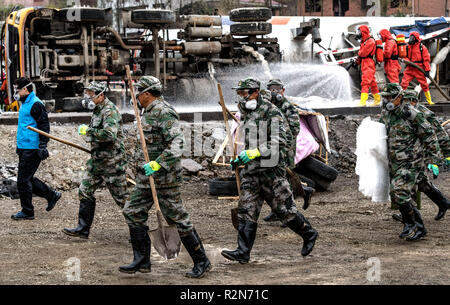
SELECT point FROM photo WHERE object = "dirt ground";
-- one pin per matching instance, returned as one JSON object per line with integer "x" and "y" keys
{"x": 351, "y": 228}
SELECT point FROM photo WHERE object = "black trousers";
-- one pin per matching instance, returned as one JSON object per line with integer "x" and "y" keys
{"x": 27, "y": 184}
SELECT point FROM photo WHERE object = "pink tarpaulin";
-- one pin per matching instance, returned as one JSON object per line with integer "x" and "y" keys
{"x": 306, "y": 145}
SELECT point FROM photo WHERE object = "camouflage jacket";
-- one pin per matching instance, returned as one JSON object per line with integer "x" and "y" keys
{"x": 410, "y": 138}
{"x": 105, "y": 134}
{"x": 292, "y": 117}
{"x": 442, "y": 135}
{"x": 165, "y": 140}
{"x": 264, "y": 128}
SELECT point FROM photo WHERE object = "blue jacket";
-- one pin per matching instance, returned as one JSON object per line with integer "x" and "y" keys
{"x": 27, "y": 139}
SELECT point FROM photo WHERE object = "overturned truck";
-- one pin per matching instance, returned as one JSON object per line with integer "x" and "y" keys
{"x": 61, "y": 50}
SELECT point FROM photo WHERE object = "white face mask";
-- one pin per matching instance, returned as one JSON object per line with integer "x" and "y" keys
{"x": 16, "y": 96}
{"x": 87, "y": 102}
{"x": 251, "y": 104}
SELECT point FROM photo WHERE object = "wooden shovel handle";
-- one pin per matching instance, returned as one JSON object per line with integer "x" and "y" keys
{"x": 141, "y": 133}
{"x": 59, "y": 139}
{"x": 227, "y": 127}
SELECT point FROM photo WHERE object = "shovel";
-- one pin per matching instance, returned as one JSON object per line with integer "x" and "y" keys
{"x": 234, "y": 211}
{"x": 166, "y": 239}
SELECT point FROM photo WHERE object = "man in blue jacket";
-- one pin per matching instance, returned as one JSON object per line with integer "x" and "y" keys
{"x": 32, "y": 149}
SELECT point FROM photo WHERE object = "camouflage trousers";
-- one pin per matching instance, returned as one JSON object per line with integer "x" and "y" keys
{"x": 271, "y": 186}
{"x": 116, "y": 184}
{"x": 141, "y": 200}
{"x": 403, "y": 185}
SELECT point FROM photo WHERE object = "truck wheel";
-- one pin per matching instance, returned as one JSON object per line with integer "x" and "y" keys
{"x": 310, "y": 164}
{"x": 250, "y": 14}
{"x": 153, "y": 16}
{"x": 83, "y": 14}
{"x": 250, "y": 28}
{"x": 222, "y": 186}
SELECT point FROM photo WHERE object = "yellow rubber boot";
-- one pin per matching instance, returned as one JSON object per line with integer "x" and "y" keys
{"x": 428, "y": 97}
{"x": 364, "y": 97}
{"x": 377, "y": 99}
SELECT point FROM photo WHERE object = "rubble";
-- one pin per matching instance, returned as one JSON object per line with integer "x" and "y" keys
{"x": 190, "y": 166}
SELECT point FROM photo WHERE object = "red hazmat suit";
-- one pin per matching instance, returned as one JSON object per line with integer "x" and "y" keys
{"x": 390, "y": 54}
{"x": 420, "y": 58}
{"x": 365, "y": 58}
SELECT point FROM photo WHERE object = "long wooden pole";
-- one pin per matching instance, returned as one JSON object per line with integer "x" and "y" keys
{"x": 141, "y": 133}
{"x": 59, "y": 139}
{"x": 230, "y": 141}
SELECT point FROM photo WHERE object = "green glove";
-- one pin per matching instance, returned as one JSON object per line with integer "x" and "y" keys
{"x": 447, "y": 161}
{"x": 249, "y": 154}
{"x": 151, "y": 167}
{"x": 82, "y": 129}
{"x": 434, "y": 169}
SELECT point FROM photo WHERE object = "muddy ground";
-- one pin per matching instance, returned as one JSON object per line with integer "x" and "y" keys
{"x": 351, "y": 228}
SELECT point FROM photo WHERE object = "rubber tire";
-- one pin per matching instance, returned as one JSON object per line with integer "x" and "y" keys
{"x": 222, "y": 187}
{"x": 250, "y": 28}
{"x": 311, "y": 164}
{"x": 321, "y": 184}
{"x": 309, "y": 182}
{"x": 72, "y": 105}
{"x": 153, "y": 16}
{"x": 87, "y": 14}
{"x": 250, "y": 14}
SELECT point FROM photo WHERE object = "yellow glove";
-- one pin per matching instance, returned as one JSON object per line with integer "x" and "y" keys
{"x": 151, "y": 167}
{"x": 249, "y": 154}
{"x": 82, "y": 129}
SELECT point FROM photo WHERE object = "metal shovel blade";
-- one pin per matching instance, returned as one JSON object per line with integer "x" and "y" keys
{"x": 234, "y": 218}
{"x": 166, "y": 240}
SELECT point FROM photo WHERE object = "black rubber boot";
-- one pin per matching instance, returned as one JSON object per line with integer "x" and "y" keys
{"x": 52, "y": 202}
{"x": 85, "y": 218}
{"x": 307, "y": 199}
{"x": 410, "y": 227}
{"x": 246, "y": 238}
{"x": 140, "y": 241}
{"x": 421, "y": 230}
{"x": 397, "y": 217}
{"x": 302, "y": 227}
{"x": 194, "y": 247}
{"x": 271, "y": 217}
{"x": 439, "y": 199}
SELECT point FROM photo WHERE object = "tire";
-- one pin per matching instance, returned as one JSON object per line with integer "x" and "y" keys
{"x": 310, "y": 164}
{"x": 72, "y": 104}
{"x": 153, "y": 16}
{"x": 321, "y": 184}
{"x": 250, "y": 14}
{"x": 85, "y": 14}
{"x": 250, "y": 28}
{"x": 222, "y": 187}
{"x": 309, "y": 182}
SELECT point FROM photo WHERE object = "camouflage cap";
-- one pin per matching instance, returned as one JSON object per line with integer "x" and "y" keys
{"x": 97, "y": 86}
{"x": 410, "y": 94}
{"x": 146, "y": 83}
{"x": 248, "y": 83}
{"x": 275, "y": 82}
{"x": 392, "y": 89}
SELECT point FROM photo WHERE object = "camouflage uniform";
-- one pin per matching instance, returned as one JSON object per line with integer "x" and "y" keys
{"x": 261, "y": 182}
{"x": 424, "y": 184}
{"x": 107, "y": 163}
{"x": 408, "y": 131}
{"x": 165, "y": 140}
{"x": 290, "y": 114}
{"x": 108, "y": 158}
{"x": 264, "y": 177}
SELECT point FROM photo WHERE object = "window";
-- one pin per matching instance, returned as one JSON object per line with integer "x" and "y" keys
{"x": 397, "y": 3}
{"x": 313, "y": 6}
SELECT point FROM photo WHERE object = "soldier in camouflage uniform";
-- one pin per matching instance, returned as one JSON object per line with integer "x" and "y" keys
{"x": 164, "y": 138}
{"x": 264, "y": 174}
{"x": 408, "y": 131}
{"x": 424, "y": 184}
{"x": 108, "y": 159}
{"x": 290, "y": 114}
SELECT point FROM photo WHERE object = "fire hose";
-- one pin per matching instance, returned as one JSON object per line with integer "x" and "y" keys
{"x": 407, "y": 62}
